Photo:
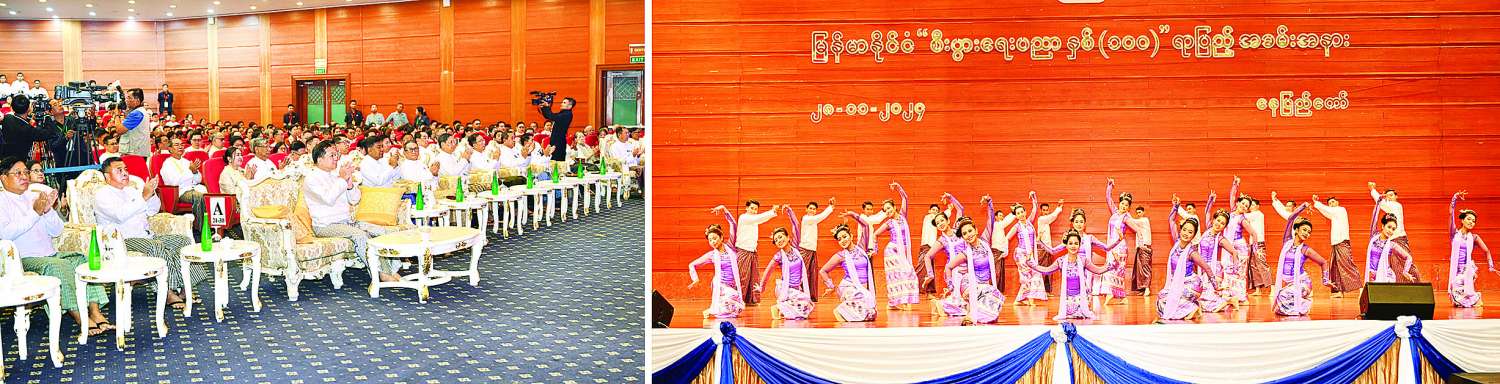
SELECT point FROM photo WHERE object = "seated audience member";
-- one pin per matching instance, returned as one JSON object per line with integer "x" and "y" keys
{"x": 260, "y": 165}
{"x": 481, "y": 157}
{"x": 186, "y": 176}
{"x": 32, "y": 224}
{"x": 126, "y": 209}
{"x": 537, "y": 156}
{"x": 111, "y": 148}
{"x": 378, "y": 168}
{"x": 414, "y": 169}
{"x": 330, "y": 191}
{"x": 450, "y": 161}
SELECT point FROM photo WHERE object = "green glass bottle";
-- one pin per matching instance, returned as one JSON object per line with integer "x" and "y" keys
{"x": 94, "y": 249}
{"x": 495, "y": 184}
{"x": 556, "y": 177}
{"x": 580, "y": 171}
{"x": 420, "y": 201}
{"x": 601, "y": 164}
{"x": 204, "y": 238}
{"x": 459, "y": 194}
{"x": 530, "y": 178}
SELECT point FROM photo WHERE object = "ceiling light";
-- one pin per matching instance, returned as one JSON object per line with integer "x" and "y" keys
{"x": 210, "y": 10}
{"x": 132, "y": 1}
{"x": 12, "y": 12}
{"x": 132, "y": 9}
{"x": 4, "y": 5}
{"x": 132, "y": 18}
{"x": 252, "y": 7}
{"x": 174, "y": 6}
{"x": 299, "y": 3}
{"x": 90, "y": 5}
{"x": 91, "y": 13}
{"x": 169, "y": 14}
{"x": 216, "y": 2}
{"x": 49, "y": 9}
{"x": 41, "y": 1}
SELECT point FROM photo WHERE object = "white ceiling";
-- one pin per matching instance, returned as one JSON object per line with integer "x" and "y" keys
{"x": 151, "y": 10}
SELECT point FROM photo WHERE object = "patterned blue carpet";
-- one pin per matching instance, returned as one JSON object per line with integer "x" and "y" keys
{"x": 558, "y": 305}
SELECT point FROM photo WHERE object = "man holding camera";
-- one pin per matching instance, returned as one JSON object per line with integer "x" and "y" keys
{"x": 135, "y": 129}
{"x": 561, "y": 120}
{"x": 18, "y": 132}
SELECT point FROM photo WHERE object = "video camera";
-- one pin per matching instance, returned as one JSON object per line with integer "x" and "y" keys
{"x": 539, "y": 97}
{"x": 79, "y": 93}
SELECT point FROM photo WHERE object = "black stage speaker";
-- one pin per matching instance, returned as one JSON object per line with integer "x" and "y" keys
{"x": 661, "y": 311}
{"x": 1474, "y": 378}
{"x": 1386, "y": 301}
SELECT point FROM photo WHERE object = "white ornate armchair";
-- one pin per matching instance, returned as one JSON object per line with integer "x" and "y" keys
{"x": 81, "y": 214}
{"x": 282, "y": 254}
{"x": 20, "y": 289}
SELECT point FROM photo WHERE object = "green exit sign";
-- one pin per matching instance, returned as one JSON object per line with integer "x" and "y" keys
{"x": 637, "y": 59}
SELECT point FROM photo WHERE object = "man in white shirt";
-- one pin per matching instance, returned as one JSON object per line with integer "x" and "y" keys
{"x": 535, "y": 156}
{"x": 19, "y": 86}
{"x": 1189, "y": 211}
{"x": 1258, "y": 275}
{"x": 378, "y": 167}
{"x": 5, "y": 90}
{"x": 808, "y": 244}
{"x": 1044, "y": 235}
{"x": 1000, "y": 246}
{"x": 1344, "y": 275}
{"x": 480, "y": 157}
{"x": 330, "y": 192}
{"x": 260, "y": 165}
{"x": 1141, "y": 274}
{"x": 111, "y": 148}
{"x": 126, "y": 209}
{"x": 37, "y": 91}
{"x": 450, "y": 161}
{"x": 32, "y": 224}
{"x": 179, "y": 172}
{"x": 512, "y": 162}
{"x": 374, "y": 119}
{"x": 872, "y": 217}
{"x": 1392, "y": 207}
{"x": 413, "y": 169}
{"x": 746, "y": 240}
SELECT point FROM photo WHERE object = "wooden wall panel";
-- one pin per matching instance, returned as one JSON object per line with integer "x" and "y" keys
{"x": 482, "y": 60}
{"x": 292, "y": 39}
{"x": 185, "y": 69}
{"x": 34, "y": 48}
{"x": 125, "y": 51}
{"x": 239, "y": 68}
{"x": 557, "y": 53}
{"x": 735, "y": 86}
{"x": 625, "y": 24}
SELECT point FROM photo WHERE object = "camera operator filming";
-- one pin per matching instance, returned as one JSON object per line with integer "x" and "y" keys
{"x": 18, "y": 132}
{"x": 135, "y": 129}
{"x": 560, "y": 121}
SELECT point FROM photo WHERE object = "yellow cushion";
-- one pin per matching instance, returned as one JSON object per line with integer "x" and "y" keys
{"x": 271, "y": 211}
{"x": 302, "y": 222}
{"x": 378, "y": 205}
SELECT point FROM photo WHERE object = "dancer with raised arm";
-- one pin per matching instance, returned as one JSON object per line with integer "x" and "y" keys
{"x": 1462, "y": 270}
{"x": 857, "y": 290}
{"x": 926, "y": 274}
{"x": 900, "y": 278}
{"x": 1210, "y": 243}
{"x": 1140, "y": 275}
{"x": 978, "y": 289}
{"x": 1235, "y": 258}
{"x": 727, "y": 300}
{"x": 1257, "y": 275}
{"x": 1293, "y": 289}
{"x": 1343, "y": 274}
{"x": 1029, "y": 286}
{"x": 1074, "y": 255}
{"x": 1179, "y": 299}
{"x": 1112, "y": 283}
{"x": 747, "y": 239}
{"x": 952, "y": 302}
{"x": 1378, "y": 267}
{"x": 793, "y": 294}
{"x": 1044, "y": 235}
{"x": 1391, "y": 206}
{"x": 808, "y": 241}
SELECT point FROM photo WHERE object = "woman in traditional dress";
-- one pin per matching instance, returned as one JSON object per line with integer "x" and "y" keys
{"x": 1378, "y": 268}
{"x": 793, "y": 298}
{"x": 1030, "y": 285}
{"x": 857, "y": 290}
{"x": 1233, "y": 259}
{"x": 984, "y": 298}
{"x": 1209, "y": 244}
{"x": 1185, "y": 285}
{"x": 1293, "y": 289}
{"x": 1461, "y": 268}
{"x": 951, "y": 303}
{"x": 900, "y": 277}
{"x": 1112, "y": 283}
{"x": 1076, "y": 252}
{"x": 727, "y": 302}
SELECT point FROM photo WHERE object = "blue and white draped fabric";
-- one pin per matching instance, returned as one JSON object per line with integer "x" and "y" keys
{"x": 1242, "y": 352}
{"x": 680, "y": 355}
{"x": 893, "y": 355}
{"x": 1450, "y": 346}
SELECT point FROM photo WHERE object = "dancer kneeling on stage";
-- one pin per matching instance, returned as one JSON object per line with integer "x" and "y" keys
{"x": 1293, "y": 291}
{"x": 1075, "y": 260}
{"x": 1180, "y": 298}
{"x": 793, "y": 300}
{"x": 1461, "y": 268}
{"x": 978, "y": 289}
{"x": 857, "y": 290}
{"x": 727, "y": 300}
{"x": 950, "y": 304}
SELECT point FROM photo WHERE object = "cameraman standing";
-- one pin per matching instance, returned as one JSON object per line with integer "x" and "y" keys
{"x": 18, "y": 132}
{"x": 560, "y": 121}
{"x": 135, "y": 130}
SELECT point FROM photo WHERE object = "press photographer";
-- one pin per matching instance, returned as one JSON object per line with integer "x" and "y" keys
{"x": 18, "y": 131}
{"x": 560, "y": 121}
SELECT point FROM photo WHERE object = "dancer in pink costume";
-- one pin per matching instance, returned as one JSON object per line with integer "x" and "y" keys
{"x": 793, "y": 293}
{"x": 978, "y": 289}
{"x": 1187, "y": 279}
{"x": 900, "y": 278}
{"x": 1075, "y": 252}
{"x": 1293, "y": 289}
{"x": 1461, "y": 268}
{"x": 727, "y": 301}
{"x": 1029, "y": 287}
{"x": 857, "y": 290}
{"x": 1378, "y": 258}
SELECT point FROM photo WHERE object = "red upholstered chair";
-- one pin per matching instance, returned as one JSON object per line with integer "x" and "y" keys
{"x": 169, "y": 203}
{"x": 97, "y": 153}
{"x": 277, "y": 158}
{"x": 219, "y": 154}
{"x": 212, "y": 169}
{"x": 136, "y": 165}
{"x": 156, "y": 161}
{"x": 196, "y": 155}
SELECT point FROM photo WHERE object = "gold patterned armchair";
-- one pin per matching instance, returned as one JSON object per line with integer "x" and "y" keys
{"x": 282, "y": 255}
{"x": 81, "y": 214}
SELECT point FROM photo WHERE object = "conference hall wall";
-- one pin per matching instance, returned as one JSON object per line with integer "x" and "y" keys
{"x": 391, "y": 52}
{"x": 790, "y": 102}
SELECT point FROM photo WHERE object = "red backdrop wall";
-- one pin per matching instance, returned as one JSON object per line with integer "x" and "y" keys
{"x": 735, "y": 86}
{"x": 390, "y": 51}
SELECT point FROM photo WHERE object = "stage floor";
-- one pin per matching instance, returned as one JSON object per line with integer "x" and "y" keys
{"x": 1134, "y": 310}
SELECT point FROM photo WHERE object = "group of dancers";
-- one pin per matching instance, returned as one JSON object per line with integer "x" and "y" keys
{"x": 1211, "y": 265}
